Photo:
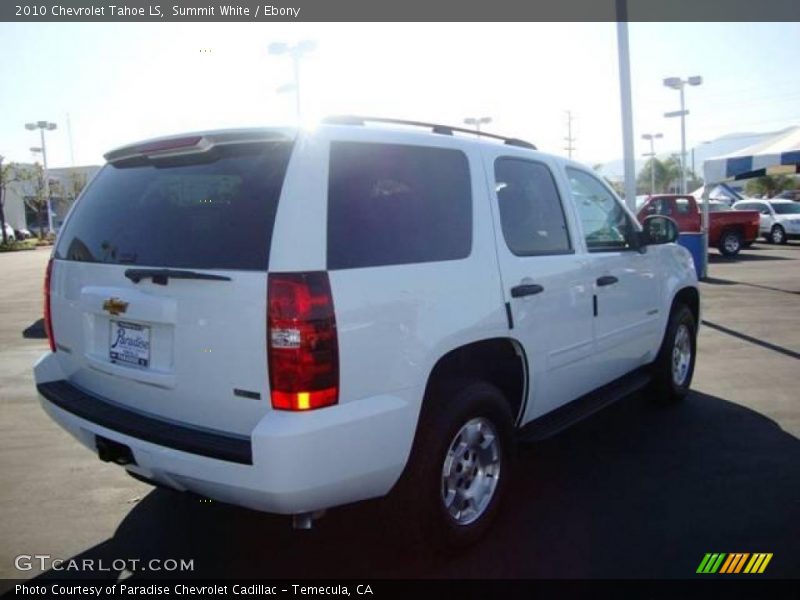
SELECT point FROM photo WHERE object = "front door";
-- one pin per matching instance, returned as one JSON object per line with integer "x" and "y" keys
{"x": 624, "y": 279}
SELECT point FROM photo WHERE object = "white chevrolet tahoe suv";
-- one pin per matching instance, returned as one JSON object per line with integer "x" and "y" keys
{"x": 293, "y": 320}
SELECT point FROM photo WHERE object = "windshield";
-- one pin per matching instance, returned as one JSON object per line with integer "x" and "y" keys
{"x": 196, "y": 213}
{"x": 786, "y": 208}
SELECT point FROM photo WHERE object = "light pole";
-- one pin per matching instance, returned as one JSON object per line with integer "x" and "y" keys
{"x": 3, "y": 236}
{"x": 676, "y": 83}
{"x": 652, "y": 155}
{"x": 477, "y": 122}
{"x": 569, "y": 139}
{"x": 626, "y": 103}
{"x": 295, "y": 52}
{"x": 42, "y": 126}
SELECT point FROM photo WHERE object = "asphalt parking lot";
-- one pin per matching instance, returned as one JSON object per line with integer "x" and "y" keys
{"x": 639, "y": 490}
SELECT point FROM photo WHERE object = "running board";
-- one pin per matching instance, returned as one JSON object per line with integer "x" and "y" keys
{"x": 556, "y": 421}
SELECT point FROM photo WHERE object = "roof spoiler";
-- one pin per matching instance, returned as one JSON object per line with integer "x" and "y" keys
{"x": 199, "y": 143}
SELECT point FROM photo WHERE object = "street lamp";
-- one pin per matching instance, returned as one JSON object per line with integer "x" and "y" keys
{"x": 43, "y": 126}
{"x": 4, "y": 235}
{"x": 477, "y": 122}
{"x": 676, "y": 83}
{"x": 295, "y": 52}
{"x": 652, "y": 155}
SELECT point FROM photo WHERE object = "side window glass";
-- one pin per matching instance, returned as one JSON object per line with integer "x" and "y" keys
{"x": 606, "y": 225}
{"x": 531, "y": 213}
{"x": 682, "y": 205}
{"x": 393, "y": 204}
{"x": 663, "y": 207}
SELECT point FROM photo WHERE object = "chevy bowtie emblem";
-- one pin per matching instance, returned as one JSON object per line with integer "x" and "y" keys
{"x": 115, "y": 306}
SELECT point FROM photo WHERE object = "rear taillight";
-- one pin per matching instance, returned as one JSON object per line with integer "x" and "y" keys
{"x": 302, "y": 345}
{"x": 48, "y": 321}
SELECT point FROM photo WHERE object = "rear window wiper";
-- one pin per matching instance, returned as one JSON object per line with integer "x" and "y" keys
{"x": 162, "y": 276}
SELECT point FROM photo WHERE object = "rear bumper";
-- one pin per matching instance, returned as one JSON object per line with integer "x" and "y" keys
{"x": 103, "y": 412}
{"x": 298, "y": 462}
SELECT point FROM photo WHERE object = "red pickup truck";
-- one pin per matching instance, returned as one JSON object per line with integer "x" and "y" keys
{"x": 728, "y": 230}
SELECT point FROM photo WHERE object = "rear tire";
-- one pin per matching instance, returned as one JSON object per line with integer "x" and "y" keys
{"x": 777, "y": 235}
{"x": 730, "y": 243}
{"x": 459, "y": 466}
{"x": 674, "y": 366}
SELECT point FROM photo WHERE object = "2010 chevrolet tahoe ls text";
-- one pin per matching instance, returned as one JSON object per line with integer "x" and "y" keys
{"x": 293, "y": 320}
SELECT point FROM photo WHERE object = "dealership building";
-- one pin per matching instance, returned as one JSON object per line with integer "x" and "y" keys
{"x": 64, "y": 182}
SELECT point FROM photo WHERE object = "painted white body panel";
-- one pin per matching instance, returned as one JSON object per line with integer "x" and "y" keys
{"x": 301, "y": 461}
{"x": 206, "y": 337}
{"x": 394, "y": 324}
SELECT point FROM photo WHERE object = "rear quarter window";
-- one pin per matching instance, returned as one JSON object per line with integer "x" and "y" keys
{"x": 203, "y": 212}
{"x": 391, "y": 204}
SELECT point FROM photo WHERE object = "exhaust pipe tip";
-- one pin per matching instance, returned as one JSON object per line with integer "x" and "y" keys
{"x": 303, "y": 521}
{"x": 306, "y": 520}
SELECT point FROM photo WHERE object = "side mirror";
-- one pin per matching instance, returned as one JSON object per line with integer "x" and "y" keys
{"x": 659, "y": 229}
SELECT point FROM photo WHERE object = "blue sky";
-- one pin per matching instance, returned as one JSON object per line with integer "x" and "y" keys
{"x": 126, "y": 81}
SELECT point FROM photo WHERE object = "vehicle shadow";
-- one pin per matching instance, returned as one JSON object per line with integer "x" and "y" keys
{"x": 743, "y": 256}
{"x": 35, "y": 331}
{"x": 639, "y": 490}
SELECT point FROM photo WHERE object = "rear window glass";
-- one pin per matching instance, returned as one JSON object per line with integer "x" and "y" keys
{"x": 209, "y": 212}
{"x": 392, "y": 204}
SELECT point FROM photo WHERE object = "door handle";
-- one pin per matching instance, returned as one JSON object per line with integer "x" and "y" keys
{"x": 526, "y": 289}
{"x": 606, "y": 280}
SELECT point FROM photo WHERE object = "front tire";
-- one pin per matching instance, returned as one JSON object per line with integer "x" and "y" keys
{"x": 777, "y": 235}
{"x": 674, "y": 366}
{"x": 459, "y": 465}
{"x": 730, "y": 244}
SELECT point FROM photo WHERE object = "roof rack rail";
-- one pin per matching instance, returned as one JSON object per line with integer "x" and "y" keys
{"x": 439, "y": 129}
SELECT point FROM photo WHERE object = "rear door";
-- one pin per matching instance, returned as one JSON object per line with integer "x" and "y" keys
{"x": 159, "y": 280}
{"x": 547, "y": 284}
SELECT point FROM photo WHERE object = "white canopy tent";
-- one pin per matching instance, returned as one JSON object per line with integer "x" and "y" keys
{"x": 778, "y": 155}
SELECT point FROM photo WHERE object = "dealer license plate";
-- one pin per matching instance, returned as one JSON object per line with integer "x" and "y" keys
{"x": 129, "y": 343}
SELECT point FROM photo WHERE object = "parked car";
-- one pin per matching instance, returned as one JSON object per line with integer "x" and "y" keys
{"x": 729, "y": 231}
{"x": 22, "y": 234}
{"x": 10, "y": 236}
{"x": 352, "y": 312}
{"x": 789, "y": 195}
{"x": 779, "y": 219}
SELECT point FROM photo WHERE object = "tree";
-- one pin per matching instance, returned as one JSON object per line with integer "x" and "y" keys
{"x": 8, "y": 174}
{"x": 768, "y": 185}
{"x": 75, "y": 184}
{"x": 37, "y": 200}
{"x": 667, "y": 175}
{"x": 4, "y": 173}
